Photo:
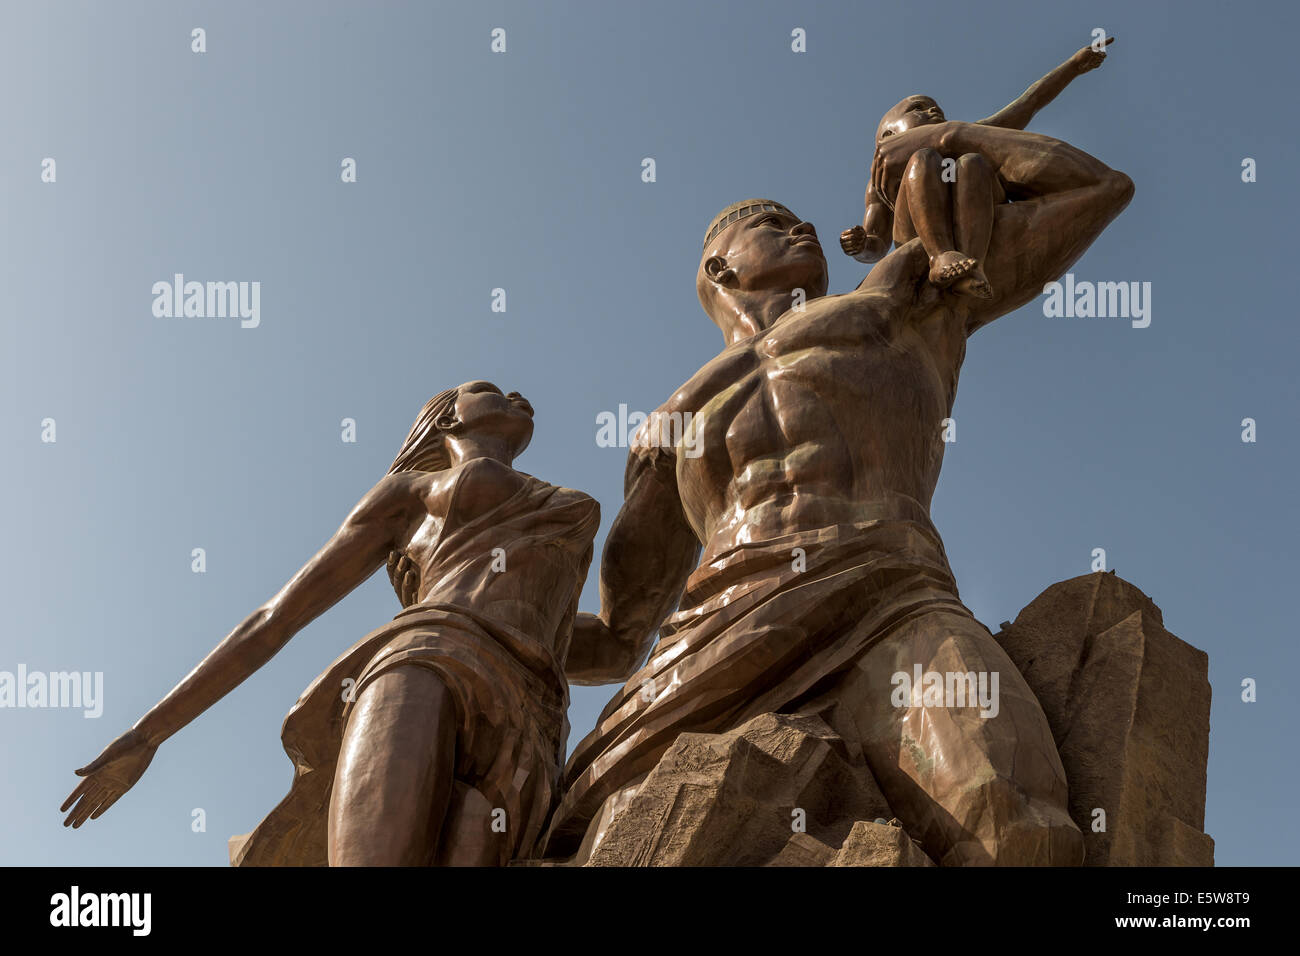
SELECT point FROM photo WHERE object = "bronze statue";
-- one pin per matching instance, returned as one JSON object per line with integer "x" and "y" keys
{"x": 953, "y": 225}
{"x": 437, "y": 738}
{"x": 792, "y": 567}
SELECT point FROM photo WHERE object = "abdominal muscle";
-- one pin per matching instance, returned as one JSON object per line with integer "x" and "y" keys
{"x": 770, "y": 499}
{"x": 819, "y": 433}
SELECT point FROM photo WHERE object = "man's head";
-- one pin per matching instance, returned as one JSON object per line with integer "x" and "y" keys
{"x": 756, "y": 254}
{"x": 910, "y": 112}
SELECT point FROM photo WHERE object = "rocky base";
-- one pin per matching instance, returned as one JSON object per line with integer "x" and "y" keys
{"x": 1128, "y": 704}
{"x": 1129, "y": 708}
{"x": 780, "y": 790}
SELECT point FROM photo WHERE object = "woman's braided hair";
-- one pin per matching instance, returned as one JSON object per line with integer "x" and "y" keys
{"x": 423, "y": 450}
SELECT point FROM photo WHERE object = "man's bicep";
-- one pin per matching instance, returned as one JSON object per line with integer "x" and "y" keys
{"x": 1005, "y": 266}
{"x": 652, "y": 512}
{"x": 650, "y": 550}
{"x": 1035, "y": 241}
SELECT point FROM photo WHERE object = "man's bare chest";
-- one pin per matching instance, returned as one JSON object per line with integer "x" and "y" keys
{"x": 824, "y": 355}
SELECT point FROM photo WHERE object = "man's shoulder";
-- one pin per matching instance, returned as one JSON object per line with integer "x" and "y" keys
{"x": 715, "y": 375}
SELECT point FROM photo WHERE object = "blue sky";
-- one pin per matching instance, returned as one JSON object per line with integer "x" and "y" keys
{"x": 522, "y": 171}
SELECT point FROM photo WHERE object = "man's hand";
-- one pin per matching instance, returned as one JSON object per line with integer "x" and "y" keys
{"x": 895, "y": 152}
{"x": 1089, "y": 59}
{"x": 405, "y": 577}
{"x": 108, "y": 776}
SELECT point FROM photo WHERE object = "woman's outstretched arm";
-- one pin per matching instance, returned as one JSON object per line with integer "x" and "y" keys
{"x": 356, "y": 551}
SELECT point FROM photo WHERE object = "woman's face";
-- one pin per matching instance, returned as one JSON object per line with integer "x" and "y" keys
{"x": 483, "y": 409}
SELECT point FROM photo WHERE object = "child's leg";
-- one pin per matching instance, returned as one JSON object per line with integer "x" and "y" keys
{"x": 394, "y": 775}
{"x": 977, "y": 191}
{"x": 924, "y": 209}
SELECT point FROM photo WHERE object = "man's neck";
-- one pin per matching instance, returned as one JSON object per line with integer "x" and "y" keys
{"x": 745, "y": 314}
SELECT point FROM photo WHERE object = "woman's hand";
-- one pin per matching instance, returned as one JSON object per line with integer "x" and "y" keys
{"x": 108, "y": 776}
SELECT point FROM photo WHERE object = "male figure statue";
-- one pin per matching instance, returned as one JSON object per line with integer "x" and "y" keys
{"x": 821, "y": 575}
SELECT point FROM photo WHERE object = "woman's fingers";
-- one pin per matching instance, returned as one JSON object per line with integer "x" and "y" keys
{"x": 72, "y": 797}
{"x": 111, "y": 799}
{"x": 89, "y": 801}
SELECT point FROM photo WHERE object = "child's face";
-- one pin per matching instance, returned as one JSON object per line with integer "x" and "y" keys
{"x": 910, "y": 113}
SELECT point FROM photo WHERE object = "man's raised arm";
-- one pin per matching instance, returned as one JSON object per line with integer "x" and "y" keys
{"x": 649, "y": 553}
{"x": 1072, "y": 198}
{"x": 1064, "y": 199}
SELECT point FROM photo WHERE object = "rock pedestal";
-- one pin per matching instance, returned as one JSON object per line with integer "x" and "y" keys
{"x": 780, "y": 790}
{"x": 1129, "y": 707}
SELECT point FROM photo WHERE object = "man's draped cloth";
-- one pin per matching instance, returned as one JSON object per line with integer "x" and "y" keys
{"x": 760, "y": 629}
{"x": 495, "y": 626}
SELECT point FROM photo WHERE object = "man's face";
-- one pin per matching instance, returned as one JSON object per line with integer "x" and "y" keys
{"x": 910, "y": 113}
{"x": 772, "y": 250}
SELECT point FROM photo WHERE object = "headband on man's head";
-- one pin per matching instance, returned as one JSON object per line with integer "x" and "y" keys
{"x": 739, "y": 210}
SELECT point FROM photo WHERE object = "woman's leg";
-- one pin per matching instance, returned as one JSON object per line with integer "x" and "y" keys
{"x": 394, "y": 775}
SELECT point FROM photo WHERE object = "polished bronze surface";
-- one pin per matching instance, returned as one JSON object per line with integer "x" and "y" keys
{"x": 791, "y": 566}
{"x": 787, "y": 565}
{"x": 438, "y": 737}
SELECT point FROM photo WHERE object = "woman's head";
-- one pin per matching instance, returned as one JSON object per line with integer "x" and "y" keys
{"x": 473, "y": 410}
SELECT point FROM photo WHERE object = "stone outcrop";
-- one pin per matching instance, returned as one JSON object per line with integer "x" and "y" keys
{"x": 868, "y": 844}
{"x": 780, "y": 790}
{"x": 1129, "y": 708}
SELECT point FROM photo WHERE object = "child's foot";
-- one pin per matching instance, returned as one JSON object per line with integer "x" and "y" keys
{"x": 974, "y": 283}
{"x": 947, "y": 267}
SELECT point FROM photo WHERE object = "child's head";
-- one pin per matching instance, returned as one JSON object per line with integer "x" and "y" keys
{"x": 911, "y": 112}
{"x": 475, "y": 408}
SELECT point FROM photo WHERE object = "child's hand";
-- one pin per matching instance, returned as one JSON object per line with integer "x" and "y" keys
{"x": 1088, "y": 58}
{"x": 895, "y": 152}
{"x": 853, "y": 241}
